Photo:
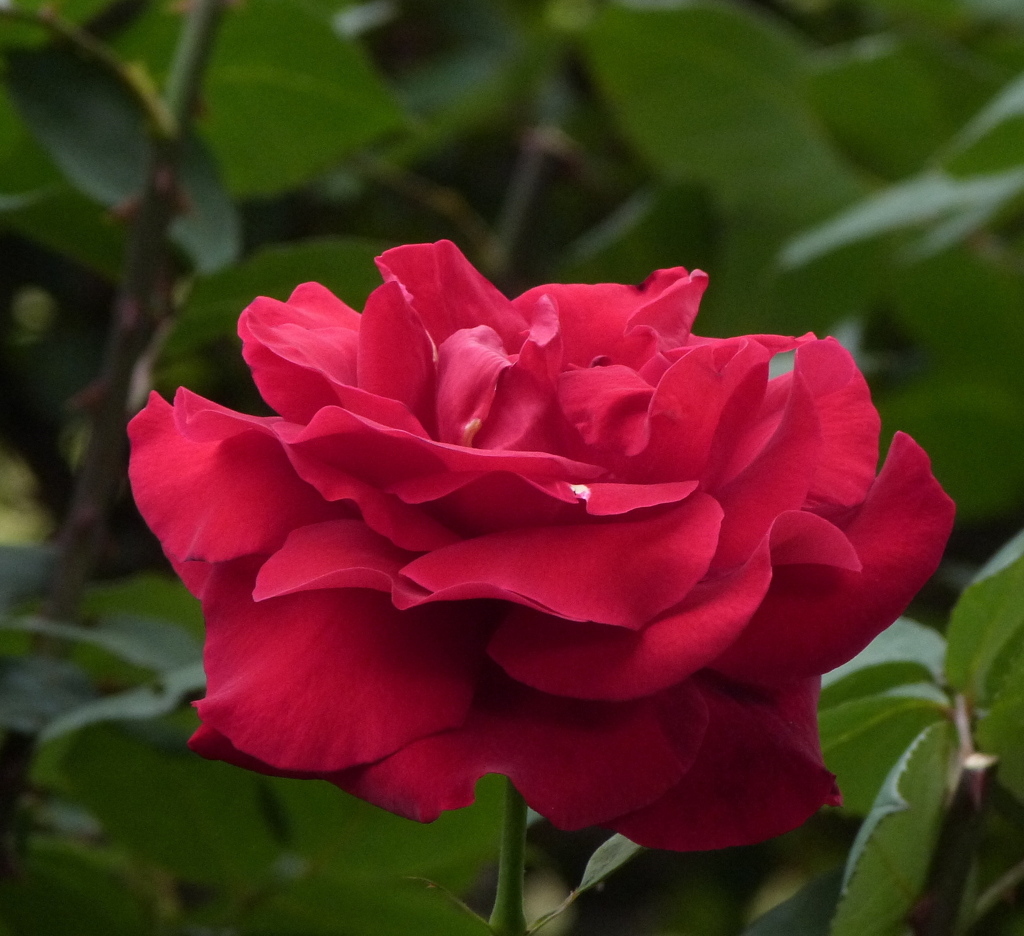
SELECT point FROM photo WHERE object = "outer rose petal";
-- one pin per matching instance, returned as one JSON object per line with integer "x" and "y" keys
{"x": 287, "y": 675}
{"x": 759, "y": 773}
{"x": 577, "y": 763}
{"x": 621, "y": 573}
{"x": 449, "y": 294}
{"x": 335, "y": 554}
{"x": 216, "y": 500}
{"x": 814, "y": 618}
{"x": 592, "y": 661}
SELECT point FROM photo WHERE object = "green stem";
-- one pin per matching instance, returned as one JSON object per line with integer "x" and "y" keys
{"x": 507, "y": 918}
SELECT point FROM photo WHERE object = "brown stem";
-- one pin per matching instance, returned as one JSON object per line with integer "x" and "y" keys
{"x": 141, "y": 302}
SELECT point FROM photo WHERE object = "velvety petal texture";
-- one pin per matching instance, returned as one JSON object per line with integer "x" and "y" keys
{"x": 559, "y": 537}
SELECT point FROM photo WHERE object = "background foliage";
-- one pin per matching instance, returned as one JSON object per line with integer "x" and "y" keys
{"x": 852, "y": 167}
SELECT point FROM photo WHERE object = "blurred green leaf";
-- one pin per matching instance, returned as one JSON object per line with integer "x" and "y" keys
{"x": 889, "y": 861}
{"x": 956, "y": 208}
{"x": 95, "y": 132}
{"x": 715, "y": 92}
{"x": 1005, "y": 556}
{"x": 343, "y": 265}
{"x": 160, "y": 697}
{"x": 807, "y": 913}
{"x": 24, "y": 573}
{"x": 84, "y": 118}
{"x": 287, "y": 97}
{"x": 363, "y": 843}
{"x": 142, "y": 641}
{"x": 904, "y": 641}
{"x": 202, "y": 820}
{"x": 317, "y": 905}
{"x": 34, "y": 690}
{"x": 880, "y": 103}
{"x": 994, "y": 140}
{"x": 972, "y": 427}
{"x": 862, "y": 738}
{"x": 147, "y": 594}
{"x": 69, "y": 891}
{"x": 987, "y": 625}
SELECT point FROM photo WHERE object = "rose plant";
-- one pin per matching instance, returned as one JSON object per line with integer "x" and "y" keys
{"x": 559, "y": 538}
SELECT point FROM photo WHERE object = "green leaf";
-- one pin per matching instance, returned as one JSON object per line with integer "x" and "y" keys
{"x": 343, "y": 265}
{"x": 611, "y": 855}
{"x": 147, "y": 595}
{"x": 904, "y": 641}
{"x": 316, "y": 905}
{"x": 360, "y": 842}
{"x": 862, "y": 738}
{"x": 161, "y": 697}
{"x": 881, "y": 103}
{"x": 34, "y": 690}
{"x": 807, "y": 913}
{"x": 287, "y": 97}
{"x": 63, "y": 889}
{"x": 606, "y": 860}
{"x": 84, "y": 119}
{"x": 95, "y": 132}
{"x": 1005, "y": 556}
{"x": 994, "y": 140}
{"x": 24, "y": 573}
{"x": 889, "y": 861}
{"x": 986, "y": 627}
{"x": 715, "y": 92}
{"x": 202, "y": 820}
{"x": 957, "y": 208}
{"x": 138, "y": 640}
{"x": 1001, "y": 732}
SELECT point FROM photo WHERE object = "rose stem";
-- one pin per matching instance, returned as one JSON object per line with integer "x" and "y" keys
{"x": 507, "y": 918}
{"x": 141, "y": 300}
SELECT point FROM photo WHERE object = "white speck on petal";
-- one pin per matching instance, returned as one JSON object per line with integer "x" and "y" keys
{"x": 581, "y": 491}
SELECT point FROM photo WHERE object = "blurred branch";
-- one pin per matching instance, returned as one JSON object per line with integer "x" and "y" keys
{"x": 161, "y": 118}
{"x": 142, "y": 301}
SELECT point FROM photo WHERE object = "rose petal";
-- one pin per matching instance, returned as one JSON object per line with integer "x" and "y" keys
{"x": 389, "y": 325}
{"x": 221, "y": 498}
{"x": 604, "y": 499}
{"x": 595, "y": 319}
{"x": 801, "y": 537}
{"x": 616, "y": 754}
{"x": 384, "y": 455}
{"x": 759, "y": 773}
{"x": 406, "y": 526}
{"x": 608, "y": 406}
{"x": 468, "y": 366}
{"x": 323, "y": 680}
{"x": 777, "y": 479}
{"x": 315, "y": 306}
{"x": 621, "y": 573}
{"x": 335, "y": 554}
{"x": 850, "y": 424}
{"x": 671, "y": 312}
{"x": 590, "y": 661}
{"x": 815, "y": 617}
{"x": 449, "y": 294}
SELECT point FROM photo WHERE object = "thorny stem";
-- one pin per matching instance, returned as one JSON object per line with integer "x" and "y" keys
{"x": 140, "y": 303}
{"x": 507, "y": 918}
{"x": 938, "y": 912}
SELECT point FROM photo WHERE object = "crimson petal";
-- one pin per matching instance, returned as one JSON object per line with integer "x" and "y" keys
{"x": 324, "y": 680}
{"x": 591, "y": 661}
{"x": 233, "y": 494}
{"x": 759, "y": 773}
{"x": 816, "y": 617}
{"x": 622, "y": 573}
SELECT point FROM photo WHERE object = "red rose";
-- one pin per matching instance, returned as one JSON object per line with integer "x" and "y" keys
{"x": 559, "y": 538}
